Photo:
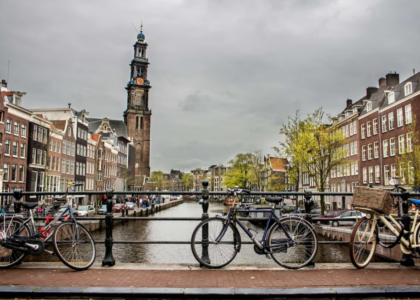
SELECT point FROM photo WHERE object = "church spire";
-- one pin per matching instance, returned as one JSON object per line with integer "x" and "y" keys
{"x": 140, "y": 36}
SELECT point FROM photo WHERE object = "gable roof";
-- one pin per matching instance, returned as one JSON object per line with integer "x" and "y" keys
{"x": 60, "y": 124}
{"x": 118, "y": 125}
{"x": 278, "y": 164}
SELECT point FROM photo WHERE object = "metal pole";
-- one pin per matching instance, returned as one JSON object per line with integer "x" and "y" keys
{"x": 205, "y": 233}
{"x": 109, "y": 258}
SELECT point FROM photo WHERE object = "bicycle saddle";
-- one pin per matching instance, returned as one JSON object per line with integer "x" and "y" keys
{"x": 415, "y": 201}
{"x": 29, "y": 205}
{"x": 274, "y": 199}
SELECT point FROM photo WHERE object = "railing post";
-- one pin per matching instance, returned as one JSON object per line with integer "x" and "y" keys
{"x": 109, "y": 258}
{"x": 17, "y": 194}
{"x": 205, "y": 233}
{"x": 309, "y": 203}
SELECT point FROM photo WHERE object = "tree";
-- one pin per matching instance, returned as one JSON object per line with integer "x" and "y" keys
{"x": 257, "y": 169}
{"x": 409, "y": 160}
{"x": 245, "y": 171}
{"x": 315, "y": 148}
{"x": 159, "y": 178}
{"x": 187, "y": 181}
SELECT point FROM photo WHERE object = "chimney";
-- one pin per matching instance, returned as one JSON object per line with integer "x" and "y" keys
{"x": 392, "y": 79}
{"x": 3, "y": 83}
{"x": 69, "y": 105}
{"x": 382, "y": 82}
{"x": 372, "y": 90}
{"x": 349, "y": 102}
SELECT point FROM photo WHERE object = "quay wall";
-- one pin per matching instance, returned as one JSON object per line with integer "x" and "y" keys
{"x": 344, "y": 234}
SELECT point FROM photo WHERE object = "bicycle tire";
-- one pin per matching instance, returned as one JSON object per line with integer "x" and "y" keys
{"x": 417, "y": 235}
{"x": 63, "y": 235}
{"x": 231, "y": 236}
{"x": 8, "y": 257}
{"x": 304, "y": 237}
{"x": 362, "y": 255}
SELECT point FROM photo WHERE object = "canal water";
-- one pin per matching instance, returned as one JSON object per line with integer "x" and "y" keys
{"x": 182, "y": 231}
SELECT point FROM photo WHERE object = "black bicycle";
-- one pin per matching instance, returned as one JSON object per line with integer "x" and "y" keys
{"x": 291, "y": 241}
{"x": 73, "y": 244}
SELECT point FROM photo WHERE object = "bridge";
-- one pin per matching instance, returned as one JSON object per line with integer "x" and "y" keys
{"x": 111, "y": 278}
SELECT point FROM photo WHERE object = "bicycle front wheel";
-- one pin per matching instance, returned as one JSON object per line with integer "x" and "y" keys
{"x": 363, "y": 242}
{"x": 209, "y": 252}
{"x": 8, "y": 257}
{"x": 298, "y": 250}
{"x": 74, "y": 245}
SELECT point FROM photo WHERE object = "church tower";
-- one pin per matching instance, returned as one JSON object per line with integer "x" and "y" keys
{"x": 137, "y": 116}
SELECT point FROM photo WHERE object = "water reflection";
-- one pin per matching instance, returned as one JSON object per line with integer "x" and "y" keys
{"x": 182, "y": 231}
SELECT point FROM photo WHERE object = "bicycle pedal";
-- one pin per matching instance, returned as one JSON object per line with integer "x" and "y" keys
{"x": 267, "y": 256}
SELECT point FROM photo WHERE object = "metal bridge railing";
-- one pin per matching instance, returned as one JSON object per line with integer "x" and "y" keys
{"x": 109, "y": 260}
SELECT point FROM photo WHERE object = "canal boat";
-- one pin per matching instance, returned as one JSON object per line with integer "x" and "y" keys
{"x": 229, "y": 201}
{"x": 261, "y": 217}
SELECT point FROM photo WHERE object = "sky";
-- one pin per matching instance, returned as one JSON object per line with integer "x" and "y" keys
{"x": 225, "y": 75}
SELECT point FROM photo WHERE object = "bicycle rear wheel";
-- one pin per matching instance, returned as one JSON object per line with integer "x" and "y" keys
{"x": 298, "y": 251}
{"x": 8, "y": 257}
{"x": 363, "y": 242}
{"x": 210, "y": 253}
{"x": 75, "y": 247}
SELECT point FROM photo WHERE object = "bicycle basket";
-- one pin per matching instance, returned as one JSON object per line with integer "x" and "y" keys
{"x": 376, "y": 199}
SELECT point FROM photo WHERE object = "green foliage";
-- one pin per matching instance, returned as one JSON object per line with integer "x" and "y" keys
{"x": 187, "y": 181}
{"x": 159, "y": 178}
{"x": 409, "y": 161}
{"x": 245, "y": 171}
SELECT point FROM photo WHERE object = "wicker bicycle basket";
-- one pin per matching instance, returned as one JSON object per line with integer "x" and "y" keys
{"x": 378, "y": 200}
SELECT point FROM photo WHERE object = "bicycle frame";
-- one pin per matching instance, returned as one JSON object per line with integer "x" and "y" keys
{"x": 231, "y": 218}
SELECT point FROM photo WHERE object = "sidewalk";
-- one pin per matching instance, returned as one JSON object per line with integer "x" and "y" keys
{"x": 170, "y": 279}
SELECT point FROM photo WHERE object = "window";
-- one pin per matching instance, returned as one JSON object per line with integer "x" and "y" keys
{"x": 355, "y": 147}
{"x": 69, "y": 131}
{"x": 14, "y": 173}
{"x": 9, "y": 126}
{"x": 354, "y": 127}
{"x": 408, "y": 89}
{"x": 7, "y": 147}
{"x": 393, "y": 170}
{"x": 362, "y": 129}
{"x": 352, "y": 169}
{"x": 368, "y": 106}
{"x": 391, "y": 98}
{"x": 356, "y": 168}
{"x": 6, "y": 172}
{"x": 21, "y": 173}
{"x": 63, "y": 166}
{"x": 54, "y": 146}
{"x": 351, "y": 128}
{"x": 22, "y": 150}
{"x": 410, "y": 172}
{"x": 391, "y": 120}
{"x": 401, "y": 144}
{"x": 23, "y": 131}
{"x": 368, "y": 129}
{"x": 392, "y": 147}
{"x": 346, "y": 128}
{"x": 402, "y": 172}
{"x": 370, "y": 174}
{"x": 363, "y": 153}
{"x": 15, "y": 148}
{"x": 377, "y": 174}
{"x": 58, "y": 147}
{"x": 64, "y": 147}
{"x": 16, "y": 128}
{"x": 72, "y": 149}
{"x": 364, "y": 175}
{"x": 375, "y": 126}
{"x": 376, "y": 149}
{"x": 57, "y": 164}
{"x": 68, "y": 167}
{"x": 45, "y": 137}
{"x": 383, "y": 123}
{"x": 71, "y": 167}
{"x": 33, "y": 156}
{"x": 385, "y": 148}
{"x": 400, "y": 121}
{"x": 351, "y": 149}
{"x": 77, "y": 168}
{"x": 409, "y": 142}
{"x": 369, "y": 151}
{"x": 78, "y": 149}
{"x": 386, "y": 175}
{"x": 408, "y": 117}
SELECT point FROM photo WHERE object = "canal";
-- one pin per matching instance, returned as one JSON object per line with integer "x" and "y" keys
{"x": 182, "y": 231}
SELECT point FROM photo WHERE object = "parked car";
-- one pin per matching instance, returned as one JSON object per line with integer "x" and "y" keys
{"x": 85, "y": 211}
{"x": 118, "y": 207}
{"x": 315, "y": 213}
{"x": 63, "y": 208}
{"x": 330, "y": 214}
{"x": 130, "y": 205}
{"x": 347, "y": 218}
{"x": 102, "y": 210}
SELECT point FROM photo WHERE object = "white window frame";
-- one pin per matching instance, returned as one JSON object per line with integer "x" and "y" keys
{"x": 362, "y": 130}
{"x": 409, "y": 142}
{"x": 386, "y": 175}
{"x": 375, "y": 126}
{"x": 408, "y": 114}
{"x": 393, "y": 170}
{"x": 368, "y": 127}
{"x": 370, "y": 152}
{"x": 377, "y": 174}
{"x": 401, "y": 144}
{"x": 370, "y": 174}
{"x": 391, "y": 98}
{"x": 368, "y": 106}
{"x": 376, "y": 150}
{"x": 408, "y": 88}
{"x": 385, "y": 148}
{"x": 400, "y": 117}
{"x": 364, "y": 172}
{"x": 364, "y": 153}
{"x": 384, "y": 123}
{"x": 391, "y": 121}
{"x": 392, "y": 147}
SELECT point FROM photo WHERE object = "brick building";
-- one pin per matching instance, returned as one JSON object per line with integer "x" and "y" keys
{"x": 90, "y": 167}
{"x": 53, "y": 174}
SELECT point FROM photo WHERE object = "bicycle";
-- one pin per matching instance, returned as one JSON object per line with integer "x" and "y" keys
{"x": 365, "y": 234}
{"x": 72, "y": 242}
{"x": 291, "y": 241}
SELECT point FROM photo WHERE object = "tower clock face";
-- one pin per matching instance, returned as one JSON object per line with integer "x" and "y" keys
{"x": 139, "y": 80}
